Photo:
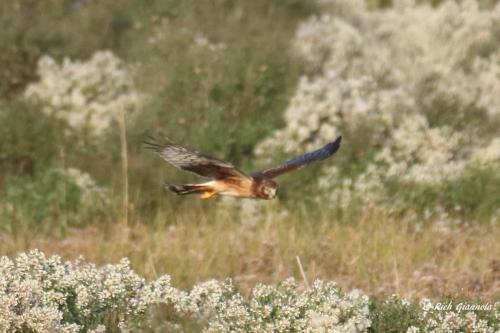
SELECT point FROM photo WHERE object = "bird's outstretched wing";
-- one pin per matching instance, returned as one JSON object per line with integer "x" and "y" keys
{"x": 301, "y": 161}
{"x": 193, "y": 161}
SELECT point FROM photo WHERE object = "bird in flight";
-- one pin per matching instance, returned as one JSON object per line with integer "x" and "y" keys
{"x": 225, "y": 178}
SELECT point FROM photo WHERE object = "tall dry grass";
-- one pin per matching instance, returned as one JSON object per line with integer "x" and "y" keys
{"x": 375, "y": 253}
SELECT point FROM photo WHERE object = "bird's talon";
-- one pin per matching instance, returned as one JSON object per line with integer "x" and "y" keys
{"x": 208, "y": 195}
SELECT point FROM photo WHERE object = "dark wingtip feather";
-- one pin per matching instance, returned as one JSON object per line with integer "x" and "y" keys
{"x": 332, "y": 147}
{"x": 150, "y": 142}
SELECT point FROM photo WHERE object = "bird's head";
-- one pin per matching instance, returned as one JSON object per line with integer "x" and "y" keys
{"x": 267, "y": 189}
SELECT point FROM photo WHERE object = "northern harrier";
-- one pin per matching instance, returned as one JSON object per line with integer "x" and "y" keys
{"x": 226, "y": 179}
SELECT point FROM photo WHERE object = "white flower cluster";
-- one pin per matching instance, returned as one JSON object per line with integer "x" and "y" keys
{"x": 73, "y": 192}
{"x": 416, "y": 152}
{"x": 46, "y": 294}
{"x": 202, "y": 41}
{"x": 92, "y": 193}
{"x": 323, "y": 308}
{"x": 383, "y": 75}
{"x": 448, "y": 320}
{"x": 164, "y": 29}
{"x": 85, "y": 94}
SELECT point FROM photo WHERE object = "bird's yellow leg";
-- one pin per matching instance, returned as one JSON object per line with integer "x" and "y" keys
{"x": 209, "y": 194}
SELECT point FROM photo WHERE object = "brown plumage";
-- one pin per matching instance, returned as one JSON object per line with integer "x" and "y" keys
{"x": 226, "y": 179}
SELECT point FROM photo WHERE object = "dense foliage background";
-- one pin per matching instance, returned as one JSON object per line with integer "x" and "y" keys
{"x": 410, "y": 204}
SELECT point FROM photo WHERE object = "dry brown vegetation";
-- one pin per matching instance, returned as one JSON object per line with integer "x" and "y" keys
{"x": 377, "y": 254}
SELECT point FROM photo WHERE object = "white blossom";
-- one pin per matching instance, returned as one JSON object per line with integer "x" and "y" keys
{"x": 387, "y": 71}
{"x": 47, "y": 294}
{"x": 84, "y": 94}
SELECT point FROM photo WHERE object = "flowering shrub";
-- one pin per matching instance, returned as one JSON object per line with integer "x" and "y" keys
{"x": 283, "y": 309}
{"x": 446, "y": 321}
{"x": 91, "y": 193}
{"x": 67, "y": 193}
{"x": 85, "y": 94}
{"x": 46, "y": 294}
{"x": 433, "y": 317}
{"x": 418, "y": 85}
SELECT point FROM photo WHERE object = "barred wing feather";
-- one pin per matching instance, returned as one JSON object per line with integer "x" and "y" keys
{"x": 194, "y": 161}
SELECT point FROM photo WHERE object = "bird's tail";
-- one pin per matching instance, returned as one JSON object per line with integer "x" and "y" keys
{"x": 188, "y": 188}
